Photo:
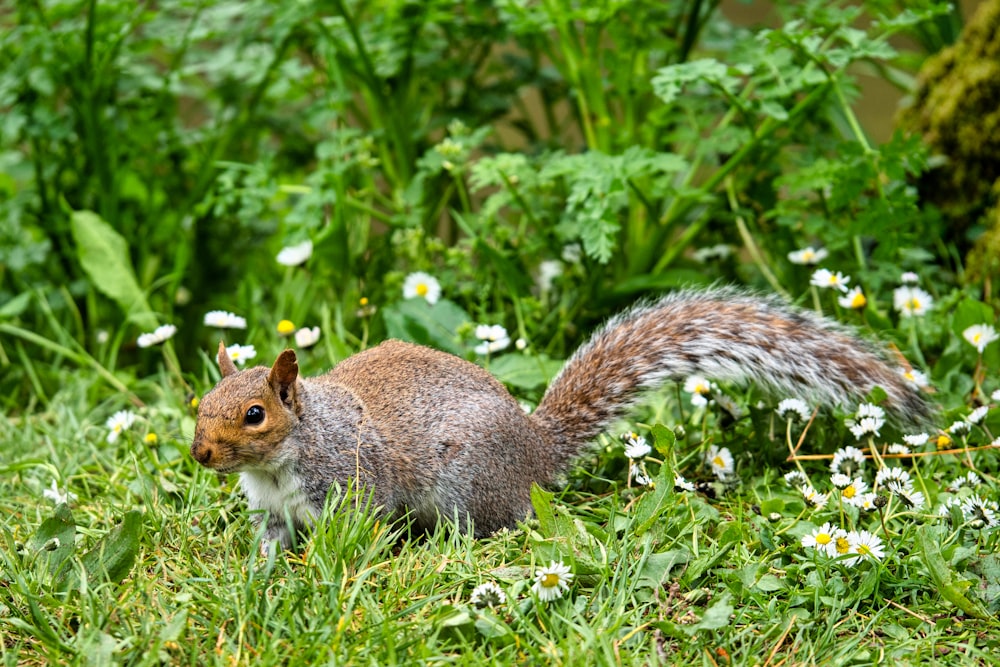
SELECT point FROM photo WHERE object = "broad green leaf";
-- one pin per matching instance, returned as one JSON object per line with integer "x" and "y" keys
{"x": 417, "y": 321}
{"x": 103, "y": 254}
{"x": 525, "y": 371}
{"x": 55, "y": 538}
{"x": 112, "y": 557}
{"x": 541, "y": 501}
{"x": 945, "y": 580}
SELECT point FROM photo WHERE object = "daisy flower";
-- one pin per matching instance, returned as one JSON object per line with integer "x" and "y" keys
{"x": 909, "y": 278}
{"x": 855, "y": 491}
{"x": 720, "y": 251}
{"x": 423, "y": 285}
{"x": 915, "y": 377}
{"x": 896, "y": 448}
{"x": 911, "y": 301}
{"x": 977, "y": 415}
{"x": 552, "y": 582}
{"x": 959, "y": 427}
{"x": 886, "y": 475}
{"x": 820, "y": 538}
{"x": 839, "y": 480}
{"x": 793, "y": 408}
{"x": 56, "y": 496}
{"x": 699, "y": 388}
{"x": 808, "y": 255}
{"x": 635, "y": 446}
{"x": 720, "y": 460}
{"x": 487, "y": 595}
{"x": 826, "y": 278}
{"x": 286, "y": 328}
{"x": 980, "y": 335}
{"x": 814, "y": 497}
{"x": 494, "y": 339}
{"x": 904, "y": 491}
{"x": 841, "y": 546}
{"x": 847, "y": 460}
{"x": 222, "y": 319}
{"x": 969, "y": 479}
{"x": 854, "y": 299}
{"x": 868, "y": 545}
{"x": 307, "y": 337}
{"x": 548, "y": 271}
{"x": 637, "y": 474}
{"x": 868, "y": 419}
{"x": 916, "y": 440}
{"x": 979, "y": 512}
{"x": 163, "y": 333}
{"x": 296, "y": 254}
{"x": 241, "y": 354}
{"x": 681, "y": 484}
{"x": 118, "y": 423}
{"x": 796, "y": 479}
{"x": 995, "y": 395}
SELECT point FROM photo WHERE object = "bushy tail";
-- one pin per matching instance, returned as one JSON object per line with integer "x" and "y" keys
{"x": 720, "y": 334}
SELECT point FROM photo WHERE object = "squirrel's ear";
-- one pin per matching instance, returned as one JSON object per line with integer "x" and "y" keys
{"x": 283, "y": 375}
{"x": 226, "y": 365}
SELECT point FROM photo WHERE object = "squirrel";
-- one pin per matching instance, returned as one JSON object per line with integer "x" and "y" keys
{"x": 432, "y": 435}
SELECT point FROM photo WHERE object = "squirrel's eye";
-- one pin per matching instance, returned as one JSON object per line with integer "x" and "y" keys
{"x": 255, "y": 415}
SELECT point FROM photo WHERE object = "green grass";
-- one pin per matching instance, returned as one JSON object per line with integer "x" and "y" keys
{"x": 707, "y": 580}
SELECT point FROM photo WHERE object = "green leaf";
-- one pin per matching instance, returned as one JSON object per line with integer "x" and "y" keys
{"x": 944, "y": 578}
{"x": 663, "y": 440}
{"x": 55, "y": 538}
{"x": 716, "y": 616}
{"x": 417, "y": 321}
{"x": 541, "y": 502}
{"x": 657, "y": 567}
{"x": 112, "y": 557}
{"x": 103, "y": 254}
{"x": 525, "y": 371}
{"x": 15, "y": 306}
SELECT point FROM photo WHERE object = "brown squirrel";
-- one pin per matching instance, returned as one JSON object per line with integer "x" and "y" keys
{"x": 432, "y": 435}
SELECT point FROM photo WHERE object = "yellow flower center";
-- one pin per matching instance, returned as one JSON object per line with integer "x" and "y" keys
{"x": 194, "y": 401}
{"x": 976, "y": 337}
{"x": 151, "y": 438}
{"x": 363, "y": 301}
{"x": 858, "y": 301}
{"x": 235, "y": 354}
{"x": 550, "y": 580}
{"x": 808, "y": 256}
{"x": 286, "y": 327}
{"x": 823, "y": 538}
{"x": 718, "y": 462}
{"x": 864, "y": 550}
{"x": 943, "y": 441}
{"x": 913, "y": 303}
{"x": 850, "y": 492}
{"x": 843, "y": 546}
{"x": 422, "y": 289}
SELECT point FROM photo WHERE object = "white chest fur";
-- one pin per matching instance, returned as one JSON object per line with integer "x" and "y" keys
{"x": 277, "y": 492}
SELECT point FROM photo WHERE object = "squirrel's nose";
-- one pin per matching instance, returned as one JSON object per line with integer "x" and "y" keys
{"x": 201, "y": 453}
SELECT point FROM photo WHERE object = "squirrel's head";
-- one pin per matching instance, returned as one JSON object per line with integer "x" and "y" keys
{"x": 244, "y": 419}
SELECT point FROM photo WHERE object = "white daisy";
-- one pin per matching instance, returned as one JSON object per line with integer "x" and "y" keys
{"x": 847, "y": 460}
{"x": 487, "y": 595}
{"x": 224, "y": 320}
{"x": 58, "y": 497}
{"x": 995, "y": 395}
{"x": 720, "y": 251}
{"x": 681, "y": 484}
{"x": 820, "y": 538}
{"x": 979, "y": 512}
{"x": 296, "y": 254}
{"x": 977, "y": 415}
{"x": 793, "y": 408}
{"x": 916, "y": 440}
{"x": 865, "y": 501}
{"x": 854, "y": 491}
{"x": 854, "y": 299}
{"x": 548, "y": 271}
{"x": 909, "y": 278}
{"x": 886, "y": 475}
{"x": 959, "y": 427}
{"x": 307, "y": 337}
{"x": 915, "y": 377}
{"x": 865, "y": 425}
{"x": 699, "y": 388}
{"x": 911, "y": 301}
{"x": 808, "y": 255}
{"x": 720, "y": 461}
{"x": 826, "y": 278}
{"x": 840, "y": 480}
{"x": 796, "y": 479}
{"x": 423, "y": 285}
{"x": 980, "y": 335}
{"x": 494, "y": 339}
{"x": 552, "y": 582}
{"x": 868, "y": 545}
{"x": 118, "y": 423}
{"x": 969, "y": 479}
{"x": 241, "y": 354}
{"x": 814, "y": 497}
{"x": 161, "y": 334}
{"x": 897, "y": 448}
{"x": 905, "y": 492}
{"x": 636, "y": 446}
{"x": 638, "y": 474}
{"x": 842, "y": 546}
